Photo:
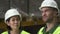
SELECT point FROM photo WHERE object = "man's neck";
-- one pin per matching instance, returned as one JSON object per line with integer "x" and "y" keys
{"x": 50, "y": 25}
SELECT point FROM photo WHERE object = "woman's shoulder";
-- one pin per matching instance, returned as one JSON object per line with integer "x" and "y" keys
{"x": 6, "y": 32}
{"x": 24, "y": 32}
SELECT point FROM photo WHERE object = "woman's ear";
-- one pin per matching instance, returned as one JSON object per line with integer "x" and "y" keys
{"x": 7, "y": 23}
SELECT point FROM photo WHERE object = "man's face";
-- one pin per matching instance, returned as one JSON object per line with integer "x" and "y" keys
{"x": 47, "y": 14}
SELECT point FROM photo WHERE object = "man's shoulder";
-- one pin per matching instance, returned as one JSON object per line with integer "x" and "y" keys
{"x": 57, "y": 30}
{"x": 40, "y": 31}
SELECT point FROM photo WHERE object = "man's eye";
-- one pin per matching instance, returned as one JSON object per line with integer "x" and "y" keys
{"x": 41, "y": 11}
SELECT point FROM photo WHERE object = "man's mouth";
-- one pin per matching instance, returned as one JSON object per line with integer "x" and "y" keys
{"x": 44, "y": 17}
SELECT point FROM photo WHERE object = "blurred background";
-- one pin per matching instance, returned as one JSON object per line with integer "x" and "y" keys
{"x": 31, "y": 15}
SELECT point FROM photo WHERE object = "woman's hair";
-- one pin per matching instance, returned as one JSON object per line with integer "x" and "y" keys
{"x": 8, "y": 27}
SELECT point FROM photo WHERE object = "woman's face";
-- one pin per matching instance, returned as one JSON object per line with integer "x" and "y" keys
{"x": 14, "y": 22}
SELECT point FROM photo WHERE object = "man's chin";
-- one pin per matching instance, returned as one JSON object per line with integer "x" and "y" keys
{"x": 45, "y": 20}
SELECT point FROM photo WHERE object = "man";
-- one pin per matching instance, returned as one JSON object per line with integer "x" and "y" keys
{"x": 49, "y": 11}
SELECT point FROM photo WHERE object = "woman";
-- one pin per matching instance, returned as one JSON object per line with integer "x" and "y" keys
{"x": 13, "y": 20}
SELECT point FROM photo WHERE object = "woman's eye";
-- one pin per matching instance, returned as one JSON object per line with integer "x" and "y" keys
{"x": 13, "y": 19}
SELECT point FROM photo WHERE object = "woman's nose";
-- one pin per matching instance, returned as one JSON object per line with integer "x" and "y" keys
{"x": 16, "y": 21}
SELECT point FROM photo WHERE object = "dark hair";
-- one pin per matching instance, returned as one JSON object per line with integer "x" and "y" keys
{"x": 8, "y": 27}
{"x": 55, "y": 10}
{"x": 8, "y": 19}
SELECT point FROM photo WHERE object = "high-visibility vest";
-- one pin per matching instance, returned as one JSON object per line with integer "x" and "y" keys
{"x": 56, "y": 31}
{"x": 23, "y": 32}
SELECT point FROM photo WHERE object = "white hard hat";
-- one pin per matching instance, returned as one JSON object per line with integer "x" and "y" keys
{"x": 10, "y": 13}
{"x": 49, "y": 3}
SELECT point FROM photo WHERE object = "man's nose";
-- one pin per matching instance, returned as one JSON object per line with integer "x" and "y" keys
{"x": 43, "y": 14}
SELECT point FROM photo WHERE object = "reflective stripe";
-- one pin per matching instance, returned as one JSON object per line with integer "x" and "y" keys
{"x": 23, "y": 32}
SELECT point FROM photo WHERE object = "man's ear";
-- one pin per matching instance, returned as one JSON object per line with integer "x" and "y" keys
{"x": 7, "y": 23}
{"x": 56, "y": 14}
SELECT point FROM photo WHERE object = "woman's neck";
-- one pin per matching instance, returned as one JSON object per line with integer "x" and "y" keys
{"x": 15, "y": 31}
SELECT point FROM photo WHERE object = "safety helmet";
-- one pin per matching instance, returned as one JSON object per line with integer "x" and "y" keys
{"x": 10, "y": 13}
{"x": 49, "y": 3}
